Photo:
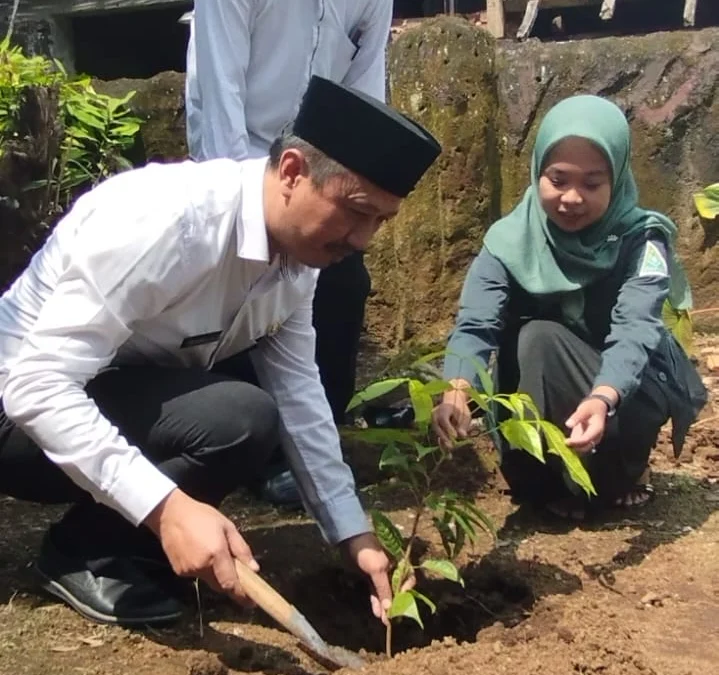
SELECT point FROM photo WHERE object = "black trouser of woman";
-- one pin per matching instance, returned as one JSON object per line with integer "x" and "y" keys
{"x": 557, "y": 369}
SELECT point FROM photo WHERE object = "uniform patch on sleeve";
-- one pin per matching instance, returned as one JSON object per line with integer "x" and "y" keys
{"x": 653, "y": 263}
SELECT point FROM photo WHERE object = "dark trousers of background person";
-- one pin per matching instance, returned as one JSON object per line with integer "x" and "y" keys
{"x": 557, "y": 369}
{"x": 210, "y": 432}
{"x": 338, "y": 317}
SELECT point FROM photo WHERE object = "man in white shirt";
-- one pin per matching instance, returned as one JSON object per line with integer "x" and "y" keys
{"x": 248, "y": 64}
{"x": 109, "y": 395}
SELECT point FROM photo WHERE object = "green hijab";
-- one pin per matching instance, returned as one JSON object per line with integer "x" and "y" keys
{"x": 544, "y": 259}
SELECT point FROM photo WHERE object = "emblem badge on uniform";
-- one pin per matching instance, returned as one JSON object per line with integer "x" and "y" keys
{"x": 653, "y": 263}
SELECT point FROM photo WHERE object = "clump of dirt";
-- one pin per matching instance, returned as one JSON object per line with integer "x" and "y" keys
{"x": 202, "y": 663}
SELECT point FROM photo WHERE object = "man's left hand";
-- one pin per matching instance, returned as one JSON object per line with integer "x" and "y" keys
{"x": 368, "y": 555}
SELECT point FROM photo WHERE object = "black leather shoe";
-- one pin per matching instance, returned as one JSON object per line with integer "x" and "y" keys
{"x": 401, "y": 417}
{"x": 105, "y": 590}
{"x": 281, "y": 490}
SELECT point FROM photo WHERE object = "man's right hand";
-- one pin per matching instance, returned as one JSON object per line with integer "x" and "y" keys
{"x": 200, "y": 542}
{"x": 452, "y": 417}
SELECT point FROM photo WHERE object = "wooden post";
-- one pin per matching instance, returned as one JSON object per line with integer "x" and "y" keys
{"x": 690, "y": 12}
{"x": 495, "y": 17}
{"x": 530, "y": 16}
{"x": 606, "y": 11}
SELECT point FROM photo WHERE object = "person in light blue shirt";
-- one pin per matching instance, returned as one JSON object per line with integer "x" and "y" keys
{"x": 248, "y": 64}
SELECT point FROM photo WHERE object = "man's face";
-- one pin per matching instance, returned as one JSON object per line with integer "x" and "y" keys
{"x": 320, "y": 226}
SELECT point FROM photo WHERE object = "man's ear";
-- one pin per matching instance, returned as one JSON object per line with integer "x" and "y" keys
{"x": 292, "y": 166}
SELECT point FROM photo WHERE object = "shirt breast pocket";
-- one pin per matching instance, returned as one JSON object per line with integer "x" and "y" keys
{"x": 334, "y": 53}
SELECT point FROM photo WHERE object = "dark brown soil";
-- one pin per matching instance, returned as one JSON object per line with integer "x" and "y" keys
{"x": 636, "y": 593}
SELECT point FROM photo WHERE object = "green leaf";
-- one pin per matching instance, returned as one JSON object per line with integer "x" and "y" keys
{"x": 428, "y": 358}
{"x": 424, "y": 450}
{"x": 122, "y": 163}
{"x": 420, "y": 596}
{"x": 404, "y": 604}
{"x": 524, "y": 436}
{"x": 375, "y": 390}
{"x": 421, "y": 402}
{"x": 126, "y": 128}
{"x": 707, "y": 202}
{"x": 557, "y": 445}
{"x": 446, "y": 535}
{"x": 388, "y": 534}
{"x": 481, "y": 399}
{"x": 114, "y": 103}
{"x": 393, "y": 456}
{"x": 435, "y": 387}
{"x": 528, "y": 403}
{"x": 517, "y": 402}
{"x": 680, "y": 325}
{"x": 87, "y": 117}
{"x": 400, "y": 575}
{"x": 458, "y": 541}
{"x": 443, "y": 568}
{"x": 506, "y": 402}
{"x": 485, "y": 378}
{"x": 480, "y": 517}
{"x": 461, "y": 520}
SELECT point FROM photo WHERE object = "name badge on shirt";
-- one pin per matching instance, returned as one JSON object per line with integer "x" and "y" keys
{"x": 204, "y": 339}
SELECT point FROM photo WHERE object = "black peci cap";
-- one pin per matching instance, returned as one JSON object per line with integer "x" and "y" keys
{"x": 365, "y": 135}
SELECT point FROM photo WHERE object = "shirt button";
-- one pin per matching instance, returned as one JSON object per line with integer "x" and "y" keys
{"x": 663, "y": 377}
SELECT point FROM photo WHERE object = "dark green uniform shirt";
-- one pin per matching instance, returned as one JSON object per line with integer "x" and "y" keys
{"x": 622, "y": 319}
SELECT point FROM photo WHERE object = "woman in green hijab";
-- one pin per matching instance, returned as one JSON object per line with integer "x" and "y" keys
{"x": 568, "y": 293}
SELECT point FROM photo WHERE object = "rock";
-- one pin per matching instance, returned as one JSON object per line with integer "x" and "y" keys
{"x": 25, "y": 218}
{"x": 666, "y": 84}
{"x": 651, "y": 599}
{"x": 442, "y": 74}
{"x": 565, "y": 634}
{"x": 160, "y": 102}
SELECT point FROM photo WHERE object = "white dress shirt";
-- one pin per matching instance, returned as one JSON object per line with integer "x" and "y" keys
{"x": 249, "y": 63}
{"x": 147, "y": 259}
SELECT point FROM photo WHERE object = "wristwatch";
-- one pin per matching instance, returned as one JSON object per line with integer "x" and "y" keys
{"x": 611, "y": 409}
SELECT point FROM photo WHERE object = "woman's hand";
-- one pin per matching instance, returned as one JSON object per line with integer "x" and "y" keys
{"x": 588, "y": 422}
{"x": 451, "y": 418}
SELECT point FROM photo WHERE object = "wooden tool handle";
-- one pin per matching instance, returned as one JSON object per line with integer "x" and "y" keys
{"x": 260, "y": 592}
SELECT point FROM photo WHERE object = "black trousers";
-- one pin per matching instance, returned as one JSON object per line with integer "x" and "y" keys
{"x": 208, "y": 431}
{"x": 557, "y": 369}
{"x": 338, "y": 311}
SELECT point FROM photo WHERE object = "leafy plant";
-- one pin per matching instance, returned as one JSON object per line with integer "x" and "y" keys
{"x": 680, "y": 321}
{"x": 680, "y": 325}
{"x": 17, "y": 72}
{"x": 97, "y": 129}
{"x": 413, "y": 457}
{"x": 707, "y": 202}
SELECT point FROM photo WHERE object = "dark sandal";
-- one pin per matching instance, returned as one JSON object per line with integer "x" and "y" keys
{"x": 568, "y": 508}
{"x": 645, "y": 490}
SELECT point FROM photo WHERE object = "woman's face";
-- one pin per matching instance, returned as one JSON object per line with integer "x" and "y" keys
{"x": 575, "y": 186}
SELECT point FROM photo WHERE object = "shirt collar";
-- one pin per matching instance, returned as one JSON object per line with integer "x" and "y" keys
{"x": 252, "y": 240}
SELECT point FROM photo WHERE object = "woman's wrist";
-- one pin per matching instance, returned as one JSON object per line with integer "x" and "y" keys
{"x": 458, "y": 393}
